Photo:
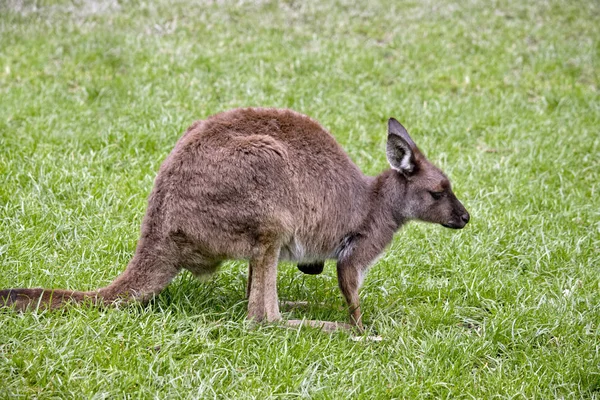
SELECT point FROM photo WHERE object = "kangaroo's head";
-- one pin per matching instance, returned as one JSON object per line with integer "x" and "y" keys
{"x": 426, "y": 193}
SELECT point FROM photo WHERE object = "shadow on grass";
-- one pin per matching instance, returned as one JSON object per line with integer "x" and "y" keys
{"x": 222, "y": 296}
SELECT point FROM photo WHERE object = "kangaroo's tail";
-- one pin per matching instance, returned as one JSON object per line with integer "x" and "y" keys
{"x": 148, "y": 273}
{"x": 23, "y": 299}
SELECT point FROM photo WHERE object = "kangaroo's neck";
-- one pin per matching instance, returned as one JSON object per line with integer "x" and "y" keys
{"x": 381, "y": 221}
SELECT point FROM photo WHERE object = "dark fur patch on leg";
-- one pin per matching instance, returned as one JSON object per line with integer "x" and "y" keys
{"x": 313, "y": 268}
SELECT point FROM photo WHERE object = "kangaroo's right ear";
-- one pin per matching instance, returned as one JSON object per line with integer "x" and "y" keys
{"x": 400, "y": 148}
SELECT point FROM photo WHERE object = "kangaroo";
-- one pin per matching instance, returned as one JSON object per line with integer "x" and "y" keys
{"x": 266, "y": 185}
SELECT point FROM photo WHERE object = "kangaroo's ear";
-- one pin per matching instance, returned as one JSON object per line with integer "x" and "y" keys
{"x": 400, "y": 148}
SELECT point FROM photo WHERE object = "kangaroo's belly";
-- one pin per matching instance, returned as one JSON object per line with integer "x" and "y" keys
{"x": 299, "y": 250}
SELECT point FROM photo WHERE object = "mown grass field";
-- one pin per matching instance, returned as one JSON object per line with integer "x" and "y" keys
{"x": 503, "y": 95}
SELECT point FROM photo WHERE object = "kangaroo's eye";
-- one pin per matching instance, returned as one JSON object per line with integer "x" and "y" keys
{"x": 436, "y": 195}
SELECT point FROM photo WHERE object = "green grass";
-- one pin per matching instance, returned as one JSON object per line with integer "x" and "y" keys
{"x": 503, "y": 95}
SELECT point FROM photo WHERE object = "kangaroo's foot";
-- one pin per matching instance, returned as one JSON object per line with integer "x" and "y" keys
{"x": 325, "y": 326}
{"x": 331, "y": 327}
{"x": 292, "y": 305}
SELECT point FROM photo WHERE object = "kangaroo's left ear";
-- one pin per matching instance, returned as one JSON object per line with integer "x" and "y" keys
{"x": 400, "y": 148}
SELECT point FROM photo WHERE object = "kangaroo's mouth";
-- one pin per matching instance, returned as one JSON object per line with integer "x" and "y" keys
{"x": 454, "y": 225}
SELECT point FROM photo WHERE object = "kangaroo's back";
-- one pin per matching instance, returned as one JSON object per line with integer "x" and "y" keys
{"x": 312, "y": 153}
{"x": 261, "y": 171}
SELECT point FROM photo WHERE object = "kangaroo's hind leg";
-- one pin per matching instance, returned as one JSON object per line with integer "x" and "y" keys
{"x": 201, "y": 267}
{"x": 249, "y": 283}
{"x": 262, "y": 299}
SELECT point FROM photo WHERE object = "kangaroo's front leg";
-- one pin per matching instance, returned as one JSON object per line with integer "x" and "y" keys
{"x": 349, "y": 280}
{"x": 355, "y": 258}
{"x": 262, "y": 298}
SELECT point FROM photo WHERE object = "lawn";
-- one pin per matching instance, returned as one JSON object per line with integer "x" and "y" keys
{"x": 503, "y": 96}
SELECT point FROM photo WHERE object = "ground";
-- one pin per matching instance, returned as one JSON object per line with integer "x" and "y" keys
{"x": 503, "y": 95}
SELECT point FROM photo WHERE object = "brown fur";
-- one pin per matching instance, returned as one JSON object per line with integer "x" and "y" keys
{"x": 267, "y": 185}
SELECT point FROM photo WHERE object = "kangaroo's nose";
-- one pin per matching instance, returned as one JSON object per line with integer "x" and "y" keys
{"x": 465, "y": 217}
